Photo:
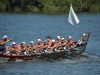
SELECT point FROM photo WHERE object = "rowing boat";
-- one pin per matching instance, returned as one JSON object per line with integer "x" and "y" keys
{"x": 63, "y": 53}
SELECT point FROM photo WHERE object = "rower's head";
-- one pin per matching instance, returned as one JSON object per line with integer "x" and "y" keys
{"x": 83, "y": 34}
{"x": 32, "y": 42}
{"x": 69, "y": 37}
{"x": 53, "y": 41}
{"x": 5, "y": 37}
{"x": 39, "y": 41}
{"x": 23, "y": 43}
{"x": 62, "y": 39}
{"x": 58, "y": 37}
{"x": 48, "y": 37}
{"x": 45, "y": 42}
{"x": 13, "y": 44}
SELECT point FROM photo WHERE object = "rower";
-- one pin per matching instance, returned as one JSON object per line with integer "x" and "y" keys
{"x": 7, "y": 50}
{"x": 49, "y": 41}
{"x": 39, "y": 43}
{"x": 63, "y": 44}
{"x": 32, "y": 47}
{"x": 53, "y": 46}
{"x": 58, "y": 40}
{"x": 24, "y": 49}
{"x": 82, "y": 40}
{"x": 74, "y": 46}
{"x": 39, "y": 46}
{"x": 2, "y": 46}
{"x": 69, "y": 43}
{"x": 45, "y": 46}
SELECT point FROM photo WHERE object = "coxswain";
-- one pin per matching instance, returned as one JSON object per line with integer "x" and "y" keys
{"x": 2, "y": 46}
{"x": 3, "y": 42}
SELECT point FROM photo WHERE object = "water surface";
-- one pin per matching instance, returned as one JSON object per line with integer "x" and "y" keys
{"x": 28, "y": 27}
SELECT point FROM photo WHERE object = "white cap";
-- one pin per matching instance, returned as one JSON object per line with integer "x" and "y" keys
{"x": 39, "y": 39}
{"x": 13, "y": 43}
{"x": 24, "y": 42}
{"x": 70, "y": 37}
{"x": 83, "y": 34}
{"x": 53, "y": 40}
{"x": 31, "y": 42}
{"x": 4, "y": 36}
{"x": 62, "y": 38}
{"x": 58, "y": 37}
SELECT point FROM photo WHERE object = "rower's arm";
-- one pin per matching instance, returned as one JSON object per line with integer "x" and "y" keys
{"x": 9, "y": 40}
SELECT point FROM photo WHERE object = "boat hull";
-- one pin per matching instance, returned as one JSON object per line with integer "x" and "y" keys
{"x": 14, "y": 58}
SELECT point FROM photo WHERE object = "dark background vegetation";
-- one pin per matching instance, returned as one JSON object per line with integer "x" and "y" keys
{"x": 49, "y": 5}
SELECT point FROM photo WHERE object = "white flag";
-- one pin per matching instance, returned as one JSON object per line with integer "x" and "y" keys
{"x": 73, "y": 19}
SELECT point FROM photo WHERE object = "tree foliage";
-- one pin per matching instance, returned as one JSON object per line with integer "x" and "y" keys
{"x": 49, "y": 5}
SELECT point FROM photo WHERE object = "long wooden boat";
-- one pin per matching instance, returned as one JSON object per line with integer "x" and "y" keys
{"x": 71, "y": 52}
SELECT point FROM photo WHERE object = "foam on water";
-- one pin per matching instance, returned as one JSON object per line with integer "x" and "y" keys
{"x": 18, "y": 60}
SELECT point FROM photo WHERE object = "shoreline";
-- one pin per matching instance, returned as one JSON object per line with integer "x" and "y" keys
{"x": 48, "y": 13}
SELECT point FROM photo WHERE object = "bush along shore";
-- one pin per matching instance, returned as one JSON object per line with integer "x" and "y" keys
{"x": 50, "y": 6}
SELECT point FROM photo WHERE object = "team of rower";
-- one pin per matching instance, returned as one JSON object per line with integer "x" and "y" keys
{"x": 49, "y": 46}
